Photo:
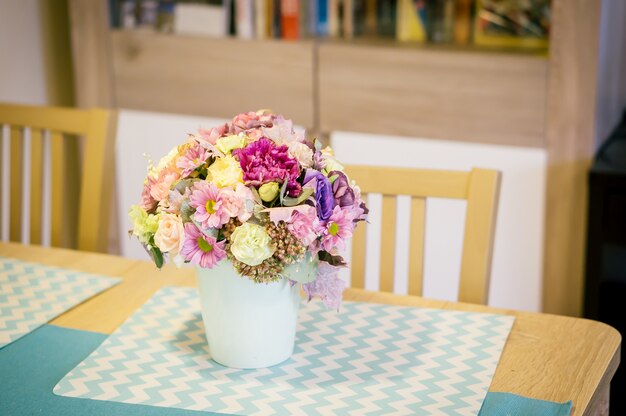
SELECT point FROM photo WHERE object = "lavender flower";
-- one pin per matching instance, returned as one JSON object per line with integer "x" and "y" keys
{"x": 327, "y": 285}
{"x": 263, "y": 161}
{"x": 324, "y": 199}
{"x": 343, "y": 193}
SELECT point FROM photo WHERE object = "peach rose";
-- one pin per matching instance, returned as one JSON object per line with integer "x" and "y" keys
{"x": 170, "y": 234}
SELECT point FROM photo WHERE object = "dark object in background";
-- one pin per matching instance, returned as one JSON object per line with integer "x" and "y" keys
{"x": 605, "y": 291}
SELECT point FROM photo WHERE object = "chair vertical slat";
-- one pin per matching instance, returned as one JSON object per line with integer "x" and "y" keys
{"x": 3, "y": 129}
{"x": 416, "y": 246}
{"x": 65, "y": 190}
{"x": 357, "y": 263}
{"x": 387, "y": 243}
{"x": 36, "y": 185}
{"x": 15, "y": 205}
{"x": 482, "y": 206}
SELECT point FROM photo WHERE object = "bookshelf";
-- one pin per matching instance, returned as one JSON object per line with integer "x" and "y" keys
{"x": 471, "y": 95}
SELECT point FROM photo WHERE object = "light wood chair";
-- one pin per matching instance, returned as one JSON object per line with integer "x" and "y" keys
{"x": 40, "y": 167}
{"x": 480, "y": 187}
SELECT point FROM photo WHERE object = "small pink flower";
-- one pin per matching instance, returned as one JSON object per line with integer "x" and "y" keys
{"x": 211, "y": 135}
{"x": 303, "y": 225}
{"x": 247, "y": 121}
{"x": 200, "y": 249}
{"x": 195, "y": 157}
{"x": 337, "y": 229}
{"x": 148, "y": 203}
{"x": 160, "y": 189}
{"x": 208, "y": 201}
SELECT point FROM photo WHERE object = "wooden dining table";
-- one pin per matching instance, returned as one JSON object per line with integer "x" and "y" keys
{"x": 549, "y": 357}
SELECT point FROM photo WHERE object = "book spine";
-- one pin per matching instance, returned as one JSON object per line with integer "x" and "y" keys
{"x": 260, "y": 27}
{"x": 462, "y": 22}
{"x": 276, "y": 19}
{"x": 370, "y": 24}
{"x": 349, "y": 16}
{"x": 244, "y": 23}
{"x": 387, "y": 18}
{"x": 322, "y": 18}
{"x": 333, "y": 18}
{"x": 290, "y": 19}
{"x": 313, "y": 17}
{"x": 304, "y": 17}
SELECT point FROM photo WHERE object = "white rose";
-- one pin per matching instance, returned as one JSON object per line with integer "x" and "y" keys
{"x": 250, "y": 244}
{"x": 302, "y": 153}
{"x": 170, "y": 234}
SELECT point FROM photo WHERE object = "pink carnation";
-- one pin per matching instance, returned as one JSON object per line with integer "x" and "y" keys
{"x": 211, "y": 135}
{"x": 148, "y": 203}
{"x": 247, "y": 121}
{"x": 303, "y": 225}
{"x": 160, "y": 189}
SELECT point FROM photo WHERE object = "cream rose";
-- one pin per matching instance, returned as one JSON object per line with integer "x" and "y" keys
{"x": 170, "y": 234}
{"x": 226, "y": 171}
{"x": 250, "y": 244}
{"x": 302, "y": 153}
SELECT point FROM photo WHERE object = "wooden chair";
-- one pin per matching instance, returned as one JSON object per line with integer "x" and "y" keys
{"x": 42, "y": 146}
{"x": 480, "y": 187}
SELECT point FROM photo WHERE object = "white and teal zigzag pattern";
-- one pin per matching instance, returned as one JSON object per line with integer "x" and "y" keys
{"x": 366, "y": 359}
{"x": 32, "y": 294}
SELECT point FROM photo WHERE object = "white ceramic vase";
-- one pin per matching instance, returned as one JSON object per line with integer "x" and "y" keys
{"x": 247, "y": 324}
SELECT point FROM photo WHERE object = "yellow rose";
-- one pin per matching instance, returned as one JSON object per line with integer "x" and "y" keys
{"x": 143, "y": 224}
{"x": 268, "y": 191}
{"x": 250, "y": 244}
{"x": 225, "y": 171}
{"x": 170, "y": 234}
{"x": 229, "y": 143}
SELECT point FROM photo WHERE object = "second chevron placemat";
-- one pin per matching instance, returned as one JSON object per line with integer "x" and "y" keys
{"x": 365, "y": 359}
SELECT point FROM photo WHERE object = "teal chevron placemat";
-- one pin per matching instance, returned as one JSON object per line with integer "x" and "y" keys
{"x": 366, "y": 359}
{"x": 32, "y": 294}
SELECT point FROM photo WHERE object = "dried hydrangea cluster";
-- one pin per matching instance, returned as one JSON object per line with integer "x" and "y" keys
{"x": 254, "y": 192}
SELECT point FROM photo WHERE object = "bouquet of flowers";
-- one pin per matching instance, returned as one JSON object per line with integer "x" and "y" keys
{"x": 254, "y": 192}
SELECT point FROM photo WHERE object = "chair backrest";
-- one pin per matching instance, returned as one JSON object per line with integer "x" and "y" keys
{"x": 44, "y": 198}
{"x": 479, "y": 187}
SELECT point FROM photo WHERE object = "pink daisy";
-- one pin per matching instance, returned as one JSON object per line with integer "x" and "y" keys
{"x": 211, "y": 135}
{"x": 200, "y": 249}
{"x": 337, "y": 229}
{"x": 195, "y": 157}
{"x": 207, "y": 199}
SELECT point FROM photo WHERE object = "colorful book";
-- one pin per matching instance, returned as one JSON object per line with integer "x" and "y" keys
{"x": 244, "y": 19}
{"x": 321, "y": 28}
{"x": 199, "y": 19}
{"x": 276, "y": 19}
{"x": 334, "y": 18}
{"x": 387, "y": 18}
{"x": 370, "y": 27}
{"x": 348, "y": 19}
{"x": 260, "y": 17}
{"x": 462, "y": 22}
{"x": 290, "y": 19}
{"x": 411, "y": 20}
{"x": 512, "y": 23}
{"x": 304, "y": 16}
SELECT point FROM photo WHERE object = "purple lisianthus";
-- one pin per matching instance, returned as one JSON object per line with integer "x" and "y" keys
{"x": 343, "y": 193}
{"x": 327, "y": 286}
{"x": 263, "y": 161}
{"x": 324, "y": 198}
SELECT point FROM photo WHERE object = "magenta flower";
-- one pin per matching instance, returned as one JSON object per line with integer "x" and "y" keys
{"x": 208, "y": 201}
{"x": 263, "y": 161}
{"x": 200, "y": 249}
{"x": 327, "y": 286}
{"x": 195, "y": 157}
{"x": 337, "y": 229}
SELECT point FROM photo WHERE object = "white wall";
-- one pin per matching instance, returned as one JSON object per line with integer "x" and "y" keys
{"x": 518, "y": 249}
{"x": 22, "y": 70}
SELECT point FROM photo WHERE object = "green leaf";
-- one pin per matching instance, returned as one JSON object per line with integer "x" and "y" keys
{"x": 292, "y": 202}
{"x": 283, "y": 191}
{"x": 157, "y": 256}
